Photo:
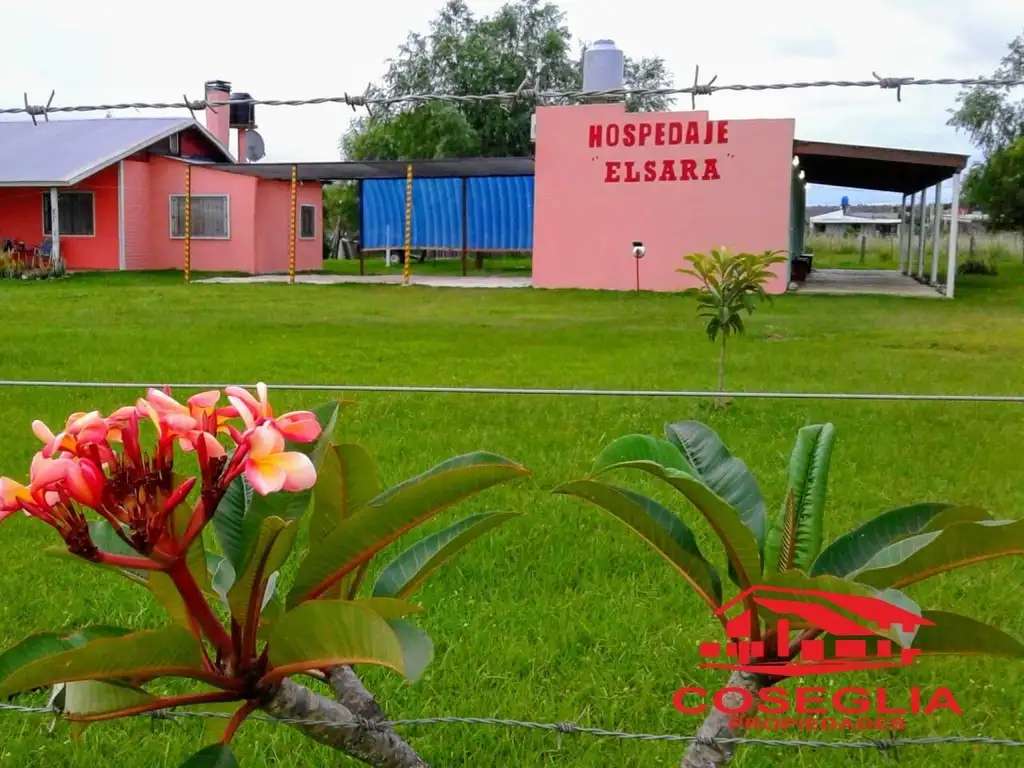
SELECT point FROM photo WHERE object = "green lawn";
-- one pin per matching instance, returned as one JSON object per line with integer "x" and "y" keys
{"x": 562, "y": 614}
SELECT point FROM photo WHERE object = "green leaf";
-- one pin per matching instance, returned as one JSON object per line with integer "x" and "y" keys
{"x": 928, "y": 554}
{"x": 659, "y": 527}
{"x": 740, "y": 545}
{"x": 227, "y": 521}
{"x": 223, "y": 578}
{"x": 417, "y": 647}
{"x": 808, "y": 479}
{"x": 964, "y": 636}
{"x": 325, "y": 633}
{"x": 393, "y": 513}
{"x": 213, "y": 756}
{"x": 347, "y": 480}
{"x": 165, "y": 593}
{"x": 388, "y": 607}
{"x": 270, "y": 551}
{"x": 404, "y": 575}
{"x": 138, "y": 656}
{"x": 96, "y": 632}
{"x": 30, "y": 649}
{"x": 93, "y": 697}
{"x": 714, "y": 465}
{"x": 631, "y": 448}
{"x": 852, "y": 550}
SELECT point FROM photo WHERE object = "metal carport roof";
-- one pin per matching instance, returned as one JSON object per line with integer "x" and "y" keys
{"x": 880, "y": 168}
{"x": 465, "y": 167}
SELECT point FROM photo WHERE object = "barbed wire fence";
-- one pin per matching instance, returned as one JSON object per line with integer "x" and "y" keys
{"x": 523, "y": 94}
{"x": 885, "y": 745}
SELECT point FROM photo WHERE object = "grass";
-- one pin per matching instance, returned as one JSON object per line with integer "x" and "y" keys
{"x": 561, "y": 614}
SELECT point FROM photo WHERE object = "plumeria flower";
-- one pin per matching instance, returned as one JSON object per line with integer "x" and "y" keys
{"x": 297, "y": 426}
{"x": 269, "y": 468}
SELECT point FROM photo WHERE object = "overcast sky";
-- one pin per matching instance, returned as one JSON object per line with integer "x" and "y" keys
{"x": 113, "y": 50}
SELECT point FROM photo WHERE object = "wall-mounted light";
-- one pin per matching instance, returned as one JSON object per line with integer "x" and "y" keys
{"x": 801, "y": 175}
{"x": 796, "y": 162}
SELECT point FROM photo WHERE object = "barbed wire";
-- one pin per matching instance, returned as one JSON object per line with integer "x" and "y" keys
{"x": 549, "y": 392}
{"x": 885, "y": 744}
{"x": 533, "y": 95}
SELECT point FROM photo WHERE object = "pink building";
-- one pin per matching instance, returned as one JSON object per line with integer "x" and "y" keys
{"x": 605, "y": 178}
{"x": 118, "y": 186}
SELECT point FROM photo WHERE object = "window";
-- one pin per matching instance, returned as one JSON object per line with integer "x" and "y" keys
{"x": 307, "y": 222}
{"x": 174, "y": 143}
{"x": 209, "y": 217}
{"x": 75, "y": 211}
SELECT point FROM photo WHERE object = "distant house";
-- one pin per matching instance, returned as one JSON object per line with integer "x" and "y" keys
{"x": 119, "y": 184}
{"x": 839, "y": 223}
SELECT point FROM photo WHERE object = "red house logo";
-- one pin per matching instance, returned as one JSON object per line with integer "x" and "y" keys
{"x": 854, "y": 645}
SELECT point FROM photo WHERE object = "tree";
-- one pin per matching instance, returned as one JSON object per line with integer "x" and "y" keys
{"x": 128, "y": 511}
{"x": 997, "y": 187}
{"x": 898, "y": 548}
{"x": 729, "y": 285}
{"x": 525, "y": 41}
{"x": 988, "y": 114}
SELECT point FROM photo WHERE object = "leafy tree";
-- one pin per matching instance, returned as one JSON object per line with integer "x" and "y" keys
{"x": 989, "y": 114}
{"x": 997, "y": 186}
{"x": 876, "y": 560}
{"x": 127, "y": 510}
{"x": 525, "y": 41}
{"x": 729, "y": 285}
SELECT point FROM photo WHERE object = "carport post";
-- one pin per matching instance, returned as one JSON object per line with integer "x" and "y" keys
{"x": 905, "y": 250}
{"x": 920, "y": 236}
{"x": 54, "y": 229}
{"x": 936, "y": 219}
{"x": 954, "y": 232}
{"x": 903, "y": 229}
{"x": 408, "y": 224}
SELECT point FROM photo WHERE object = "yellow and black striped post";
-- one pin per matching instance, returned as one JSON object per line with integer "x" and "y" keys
{"x": 408, "y": 224}
{"x": 291, "y": 240}
{"x": 188, "y": 223}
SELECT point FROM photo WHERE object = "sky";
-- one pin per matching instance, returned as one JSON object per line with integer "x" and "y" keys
{"x": 116, "y": 50}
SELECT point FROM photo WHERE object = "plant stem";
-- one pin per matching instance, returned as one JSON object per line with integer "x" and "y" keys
{"x": 127, "y": 561}
{"x": 197, "y": 606}
{"x": 238, "y": 718}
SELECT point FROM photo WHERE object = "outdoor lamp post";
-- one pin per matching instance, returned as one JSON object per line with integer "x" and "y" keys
{"x": 639, "y": 251}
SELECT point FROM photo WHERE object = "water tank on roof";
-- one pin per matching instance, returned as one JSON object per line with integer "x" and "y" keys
{"x": 241, "y": 115}
{"x": 603, "y": 66}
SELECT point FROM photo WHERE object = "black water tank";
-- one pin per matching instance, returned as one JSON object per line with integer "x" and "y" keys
{"x": 241, "y": 115}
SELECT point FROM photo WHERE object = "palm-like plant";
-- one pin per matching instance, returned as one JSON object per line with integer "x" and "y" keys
{"x": 731, "y": 284}
{"x": 889, "y": 552}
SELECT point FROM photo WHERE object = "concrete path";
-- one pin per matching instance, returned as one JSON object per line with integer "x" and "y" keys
{"x": 888, "y": 282}
{"x": 488, "y": 281}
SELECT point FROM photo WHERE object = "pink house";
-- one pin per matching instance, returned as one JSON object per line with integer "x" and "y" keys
{"x": 118, "y": 186}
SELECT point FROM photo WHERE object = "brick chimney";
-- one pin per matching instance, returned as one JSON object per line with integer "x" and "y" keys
{"x": 218, "y": 119}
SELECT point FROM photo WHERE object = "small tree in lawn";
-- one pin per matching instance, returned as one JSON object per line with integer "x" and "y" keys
{"x": 110, "y": 487}
{"x": 876, "y": 560}
{"x": 730, "y": 286}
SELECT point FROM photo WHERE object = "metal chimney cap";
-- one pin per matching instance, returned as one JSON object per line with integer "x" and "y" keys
{"x": 218, "y": 85}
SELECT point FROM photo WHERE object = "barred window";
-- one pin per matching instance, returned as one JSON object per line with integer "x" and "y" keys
{"x": 307, "y": 222}
{"x": 75, "y": 211}
{"x": 209, "y": 216}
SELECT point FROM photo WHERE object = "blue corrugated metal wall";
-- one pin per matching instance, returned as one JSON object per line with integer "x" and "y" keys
{"x": 499, "y": 215}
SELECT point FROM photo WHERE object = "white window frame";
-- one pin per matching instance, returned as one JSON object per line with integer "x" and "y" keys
{"x": 62, "y": 233}
{"x": 307, "y": 237}
{"x": 170, "y": 218}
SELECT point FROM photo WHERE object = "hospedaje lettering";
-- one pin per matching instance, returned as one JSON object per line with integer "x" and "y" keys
{"x": 673, "y": 133}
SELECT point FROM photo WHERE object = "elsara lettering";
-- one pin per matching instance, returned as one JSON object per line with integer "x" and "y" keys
{"x": 629, "y": 171}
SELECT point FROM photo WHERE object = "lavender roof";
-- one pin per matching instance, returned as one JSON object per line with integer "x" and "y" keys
{"x": 62, "y": 152}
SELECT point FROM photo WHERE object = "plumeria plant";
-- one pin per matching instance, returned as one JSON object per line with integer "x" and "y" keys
{"x": 110, "y": 486}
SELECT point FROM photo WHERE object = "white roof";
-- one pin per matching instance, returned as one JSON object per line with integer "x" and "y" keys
{"x": 838, "y": 217}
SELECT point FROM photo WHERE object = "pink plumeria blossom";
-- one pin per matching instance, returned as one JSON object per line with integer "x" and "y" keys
{"x": 269, "y": 468}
